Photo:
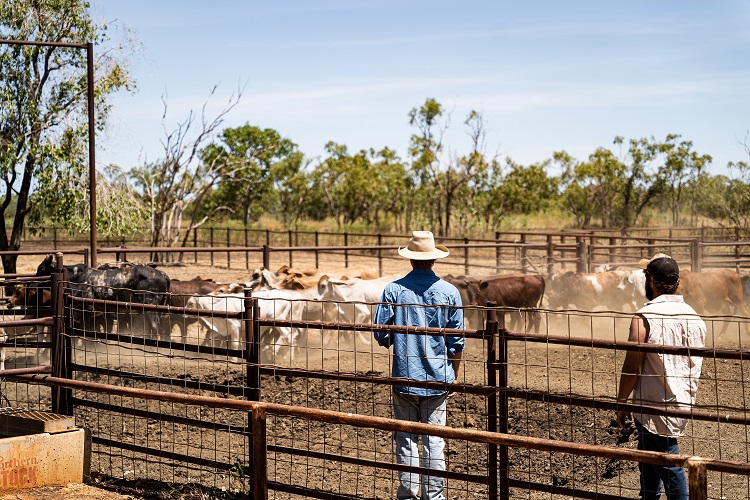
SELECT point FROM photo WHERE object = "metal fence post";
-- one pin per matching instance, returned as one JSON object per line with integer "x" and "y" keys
{"x": 466, "y": 256}
{"x": 697, "y": 479}
{"x": 259, "y": 453}
{"x": 195, "y": 243}
{"x": 524, "y": 258}
{"x": 61, "y": 397}
{"x": 491, "y": 327}
{"x": 502, "y": 407}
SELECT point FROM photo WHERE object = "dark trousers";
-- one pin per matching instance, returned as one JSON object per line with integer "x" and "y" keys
{"x": 654, "y": 476}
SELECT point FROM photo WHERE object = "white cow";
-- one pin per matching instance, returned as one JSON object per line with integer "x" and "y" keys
{"x": 281, "y": 305}
{"x": 351, "y": 301}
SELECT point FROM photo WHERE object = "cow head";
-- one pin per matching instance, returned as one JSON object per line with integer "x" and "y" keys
{"x": 47, "y": 267}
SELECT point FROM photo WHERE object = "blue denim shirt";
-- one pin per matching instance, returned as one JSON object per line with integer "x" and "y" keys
{"x": 419, "y": 356}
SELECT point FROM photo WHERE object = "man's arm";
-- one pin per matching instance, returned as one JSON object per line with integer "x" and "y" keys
{"x": 631, "y": 367}
{"x": 456, "y": 361}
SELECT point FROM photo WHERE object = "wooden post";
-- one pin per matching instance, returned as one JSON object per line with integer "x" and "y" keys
{"x": 582, "y": 257}
{"x": 229, "y": 253}
{"x": 563, "y": 253}
{"x": 524, "y": 260}
{"x": 491, "y": 328}
{"x": 466, "y": 256}
{"x": 498, "y": 252}
{"x": 697, "y": 479}
{"x": 737, "y": 250}
{"x": 346, "y": 250}
{"x": 247, "y": 254}
{"x": 266, "y": 257}
{"x": 259, "y": 453}
{"x": 612, "y": 243}
{"x": 268, "y": 237}
{"x": 291, "y": 264}
{"x": 211, "y": 244}
{"x": 380, "y": 255}
{"x": 54, "y": 239}
{"x": 195, "y": 243}
{"x": 550, "y": 254}
{"x": 695, "y": 255}
{"x": 317, "y": 256}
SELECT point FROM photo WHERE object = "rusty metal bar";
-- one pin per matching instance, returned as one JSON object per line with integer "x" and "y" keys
{"x": 502, "y": 407}
{"x": 388, "y": 424}
{"x": 233, "y": 390}
{"x": 364, "y": 462}
{"x": 697, "y": 479}
{"x": 591, "y": 402}
{"x": 705, "y": 352}
{"x": 392, "y": 381}
{"x": 25, "y": 371}
{"x": 260, "y": 454}
{"x": 27, "y": 322}
{"x": 142, "y": 341}
{"x": 51, "y": 44}
{"x": 213, "y": 464}
{"x": 165, "y": 417}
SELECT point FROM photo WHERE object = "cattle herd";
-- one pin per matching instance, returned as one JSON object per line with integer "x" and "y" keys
{"x": 347, "y": 296}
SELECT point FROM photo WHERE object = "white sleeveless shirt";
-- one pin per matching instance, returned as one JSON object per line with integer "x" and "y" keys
{"x": 669, "y": 380}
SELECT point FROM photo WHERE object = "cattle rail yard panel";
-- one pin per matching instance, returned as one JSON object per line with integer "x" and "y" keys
{"x": 558, "y": 383}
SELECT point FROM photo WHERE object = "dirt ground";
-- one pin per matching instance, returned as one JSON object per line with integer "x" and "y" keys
{"x": 536, "y": 366}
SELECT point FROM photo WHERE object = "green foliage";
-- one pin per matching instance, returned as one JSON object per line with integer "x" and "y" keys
{"x": 254, "y": 158}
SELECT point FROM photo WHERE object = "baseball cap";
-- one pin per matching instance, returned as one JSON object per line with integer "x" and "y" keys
{"x": 662, "y": 268}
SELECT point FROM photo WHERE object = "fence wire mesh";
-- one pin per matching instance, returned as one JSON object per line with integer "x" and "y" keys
{"x": 559, "y": 383}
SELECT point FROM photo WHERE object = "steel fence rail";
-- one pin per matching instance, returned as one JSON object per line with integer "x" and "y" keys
{"x": 388, "y": 424}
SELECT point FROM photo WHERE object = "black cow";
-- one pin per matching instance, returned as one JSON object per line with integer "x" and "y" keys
{"x": 139, "y": 284}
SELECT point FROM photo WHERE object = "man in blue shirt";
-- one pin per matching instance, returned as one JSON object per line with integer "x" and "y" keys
{"x": 421, "y": 299}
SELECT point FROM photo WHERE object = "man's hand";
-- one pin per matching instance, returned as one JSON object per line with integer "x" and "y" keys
{"x": 624, "y": 418}
{"x": 452, "y": 393}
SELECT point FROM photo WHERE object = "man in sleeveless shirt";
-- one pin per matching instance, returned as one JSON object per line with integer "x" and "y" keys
{"x": 661, "y": 380}
{"x": 421, "y": 299}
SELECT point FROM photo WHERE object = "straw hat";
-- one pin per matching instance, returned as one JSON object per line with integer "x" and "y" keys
{"x": 422, "y": 247}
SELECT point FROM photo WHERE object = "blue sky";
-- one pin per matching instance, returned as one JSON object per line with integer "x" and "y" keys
{"x": 547, "y": 75}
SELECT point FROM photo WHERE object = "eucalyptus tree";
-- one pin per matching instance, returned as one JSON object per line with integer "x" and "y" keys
{"x": 43, "y": 111}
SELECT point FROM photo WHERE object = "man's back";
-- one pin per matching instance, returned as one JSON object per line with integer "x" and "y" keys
{"x": 669, "y": 378}
{"x": 421, "y": 299}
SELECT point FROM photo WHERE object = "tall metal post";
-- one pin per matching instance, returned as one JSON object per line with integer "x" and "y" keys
{"x": 466, "y": 256}
{"x": 93, "y": 234}
{"x": 259, "y": 453}
{"x": 502, "y": 408}
{"x": 491, "y": 328}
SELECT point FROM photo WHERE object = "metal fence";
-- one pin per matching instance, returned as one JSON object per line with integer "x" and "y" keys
{"x": 533, "y": 414}
{"x": 518, "y": 251}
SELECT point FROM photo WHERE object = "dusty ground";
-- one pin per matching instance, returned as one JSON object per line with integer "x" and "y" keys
{"x": 547, "y": 367}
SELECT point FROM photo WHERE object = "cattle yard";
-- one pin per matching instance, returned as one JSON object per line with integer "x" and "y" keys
{"x": 551, "y": 391}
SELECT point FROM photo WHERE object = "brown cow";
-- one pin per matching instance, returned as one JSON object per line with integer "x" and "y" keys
{"x": 29, "y": 296}
{"x": 517, "y": 292}
{"x": 180, "y": 292}
{"x": 714, "y": 293}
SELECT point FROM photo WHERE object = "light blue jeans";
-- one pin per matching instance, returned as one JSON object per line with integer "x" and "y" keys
{"x": 429, "y": 410}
